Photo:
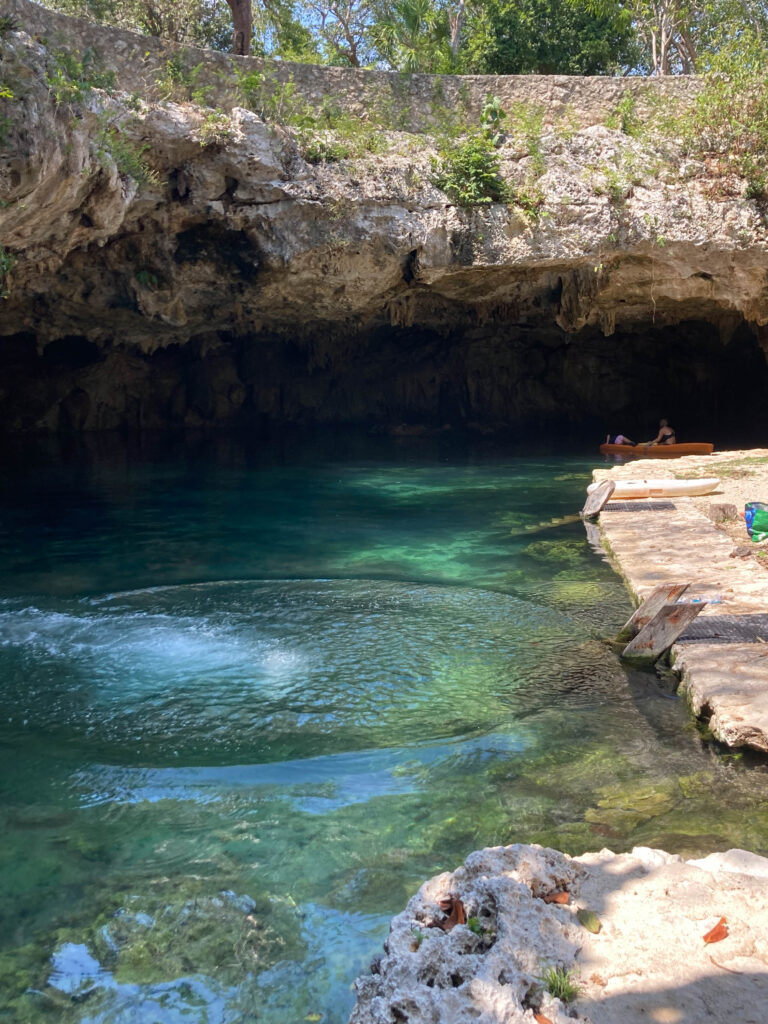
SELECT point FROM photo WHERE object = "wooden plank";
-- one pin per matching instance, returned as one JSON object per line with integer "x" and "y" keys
{"x": 597, "y": 499}
{"x": 665, "y": 593}
{"x": 662, "y": 631}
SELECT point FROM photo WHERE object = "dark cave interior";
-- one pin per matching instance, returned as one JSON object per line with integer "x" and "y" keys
{"x": 522, "y": 380}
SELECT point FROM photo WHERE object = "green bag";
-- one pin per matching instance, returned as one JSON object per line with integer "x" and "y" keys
{"x": 756, "y": 517}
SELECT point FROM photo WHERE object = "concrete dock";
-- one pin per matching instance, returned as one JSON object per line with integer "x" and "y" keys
{"x": 722, "y": 658}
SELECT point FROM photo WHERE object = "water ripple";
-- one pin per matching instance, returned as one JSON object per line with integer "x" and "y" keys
{"x": 273, "y": 671}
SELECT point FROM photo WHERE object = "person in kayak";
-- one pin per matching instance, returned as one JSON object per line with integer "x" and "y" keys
{"x": 620, "y": 439}
{"x": 666, "y": 435}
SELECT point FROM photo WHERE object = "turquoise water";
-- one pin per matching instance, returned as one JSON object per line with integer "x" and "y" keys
{"x": 251, "y": 698}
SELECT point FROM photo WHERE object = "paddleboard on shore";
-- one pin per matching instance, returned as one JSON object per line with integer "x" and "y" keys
{"x": 661, "y": 487}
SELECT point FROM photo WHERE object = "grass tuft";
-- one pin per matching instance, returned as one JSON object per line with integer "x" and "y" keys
{"x": 560, "y": 984}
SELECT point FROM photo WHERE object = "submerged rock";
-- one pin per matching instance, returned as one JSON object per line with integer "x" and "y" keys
{"x": 648, "y": 961}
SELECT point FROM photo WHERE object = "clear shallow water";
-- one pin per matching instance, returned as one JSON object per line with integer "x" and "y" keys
{"x": 250, "y": 700}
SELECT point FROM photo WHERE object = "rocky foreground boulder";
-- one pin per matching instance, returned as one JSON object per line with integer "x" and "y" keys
{"x": 678, "y": 941}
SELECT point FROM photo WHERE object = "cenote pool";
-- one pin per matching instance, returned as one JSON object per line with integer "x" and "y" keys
{"x": 250, "y": 697}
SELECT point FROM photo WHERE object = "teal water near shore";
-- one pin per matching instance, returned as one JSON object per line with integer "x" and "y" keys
{"x": 251, "y": 697}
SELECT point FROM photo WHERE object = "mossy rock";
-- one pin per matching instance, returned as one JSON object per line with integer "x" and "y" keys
{"x": 625, "y": 808}
{"x": 614, "y": 821}
{"x": 558, "y": 552}
{"x": 697, "y": 785}
{"x": 593, "y": 769}
{"x": 18, "y": 966}
{"x": 158, "y": 936}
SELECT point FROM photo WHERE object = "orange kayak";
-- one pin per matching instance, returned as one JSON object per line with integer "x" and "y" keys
{"x": 657, "y": 451}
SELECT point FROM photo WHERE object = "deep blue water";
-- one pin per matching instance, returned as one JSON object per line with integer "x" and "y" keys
{"x": 251, "y": 696}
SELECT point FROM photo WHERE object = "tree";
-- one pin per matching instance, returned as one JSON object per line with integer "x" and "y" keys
{"x": 343, "y": 26}
{"x": 548, "y": 37}
{"x": 412, "y": 35}
{"x": 242, "y": 20}
{"x": 197, "y": 22}
{"x": 684, "y": 36}
{"x": 456, "y": 21}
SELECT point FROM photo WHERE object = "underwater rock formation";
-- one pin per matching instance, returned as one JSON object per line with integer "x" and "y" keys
{"x": 649, "y": 959}
{"x": 168, "y": 264}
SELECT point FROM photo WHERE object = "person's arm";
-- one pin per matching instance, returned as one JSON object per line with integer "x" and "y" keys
{"x": 656, "y": 440}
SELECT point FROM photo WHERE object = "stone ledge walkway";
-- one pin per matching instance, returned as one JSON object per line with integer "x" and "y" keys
{"x": 676, "y": 542}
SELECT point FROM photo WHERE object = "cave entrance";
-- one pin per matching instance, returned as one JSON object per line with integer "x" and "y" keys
{"x": 533, "y": 382}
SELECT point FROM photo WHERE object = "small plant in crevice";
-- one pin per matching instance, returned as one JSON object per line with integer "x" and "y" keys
{"x": 528, "y": 119}
{"x": 127, "y": 156}
{"x": 492, "y": 118}
{"x": 180, "y": 82}
{"x": 624, "y": 116}
{"x": 7, "y": 263}
{"x": 251, "y": 86}
{"x": 6, "y": 122}
{"x": 560, "y": 984}
{"x": 215, "y": 129}
{"x": 8, "y": 24}
{"x": 469, "y": 172}
{"x": 345, "y": 138}
{"x": 568, "y": 124}
{"x": 72, "y": 77}
{"x": 175, "y": 76}
{"x": 616, "y": 185}
{"x": 147, "y": 279}
{"x": 280, "y": 102}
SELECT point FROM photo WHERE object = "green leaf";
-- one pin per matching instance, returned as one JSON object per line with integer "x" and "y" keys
{"x": 590, "y": 920}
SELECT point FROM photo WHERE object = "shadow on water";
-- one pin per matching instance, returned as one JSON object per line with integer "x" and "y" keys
{"x": 252, "y": 696}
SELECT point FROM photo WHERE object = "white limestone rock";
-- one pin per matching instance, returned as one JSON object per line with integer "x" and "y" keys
{"x": 649, "y": 962}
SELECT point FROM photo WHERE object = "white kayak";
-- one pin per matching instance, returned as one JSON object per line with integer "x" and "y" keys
{"x": 662, "y": 487}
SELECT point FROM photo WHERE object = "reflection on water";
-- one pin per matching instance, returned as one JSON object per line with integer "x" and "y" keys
{"x": 248, "y": 703}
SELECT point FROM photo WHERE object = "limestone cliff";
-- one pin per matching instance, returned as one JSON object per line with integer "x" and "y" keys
{"x": 166, "y": 263}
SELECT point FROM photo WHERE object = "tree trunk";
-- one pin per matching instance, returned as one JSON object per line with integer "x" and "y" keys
{"x": 242, "y": 19}
{"x": 456, "y": 23}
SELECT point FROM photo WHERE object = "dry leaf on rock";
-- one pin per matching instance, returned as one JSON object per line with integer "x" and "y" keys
{"x": 454, "y": 908}
{"x": 541, "y": 1019}
{"x": 718, "y": 933}
{"x": 557, "y": 897}
{"x": 590, "y": 920}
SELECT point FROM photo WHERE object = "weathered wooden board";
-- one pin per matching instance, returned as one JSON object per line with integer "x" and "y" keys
{"x": 665, "y": 593}
{"x": 598, "y": 498}
{"x": 662, "y": 631}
